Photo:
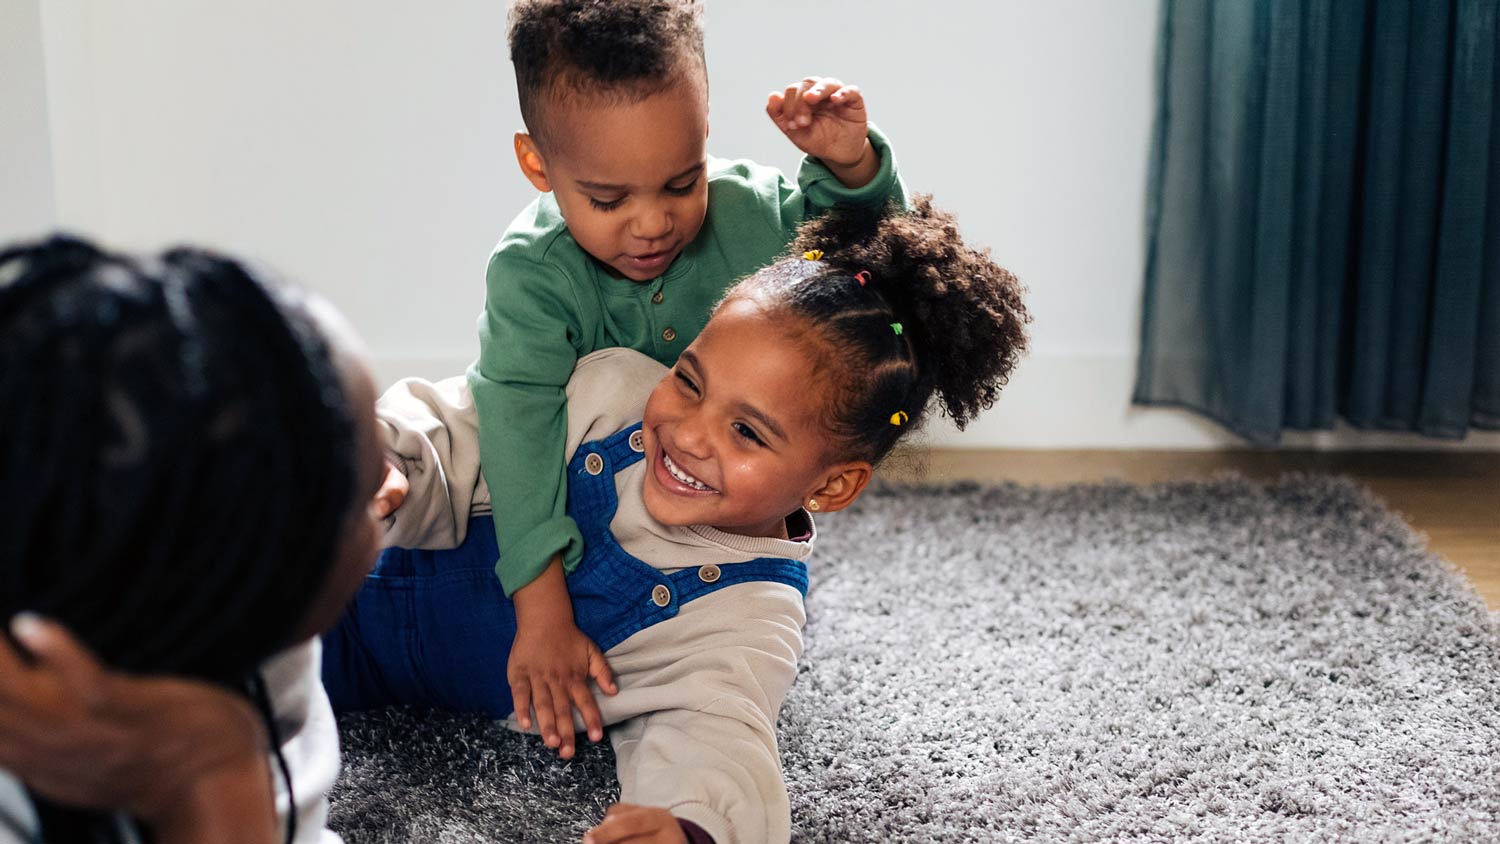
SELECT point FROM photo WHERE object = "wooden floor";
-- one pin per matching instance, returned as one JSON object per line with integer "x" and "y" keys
{"x": 1452, "y": 497}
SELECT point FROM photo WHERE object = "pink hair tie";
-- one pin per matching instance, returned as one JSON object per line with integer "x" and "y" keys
{"x": 863, "y": 277}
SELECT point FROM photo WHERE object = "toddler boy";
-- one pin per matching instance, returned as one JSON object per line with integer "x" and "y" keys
{"x": 636, "y": 235}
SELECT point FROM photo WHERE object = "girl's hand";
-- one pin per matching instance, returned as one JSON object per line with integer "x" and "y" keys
{"x": 826, "y": 119}
{"x": 625, "y": 822}
{"x": 392, "y": 492}
{"x": 84, "y": 735}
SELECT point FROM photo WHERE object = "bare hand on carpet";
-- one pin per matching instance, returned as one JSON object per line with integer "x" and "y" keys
{"x": 185, "y": 758}
{"x": 626, "y": 823}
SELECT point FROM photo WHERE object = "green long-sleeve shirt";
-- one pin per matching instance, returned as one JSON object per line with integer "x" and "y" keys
{"x": 548, "y": 303}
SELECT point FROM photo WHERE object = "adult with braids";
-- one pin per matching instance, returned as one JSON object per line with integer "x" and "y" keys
{"x": 188, "y": 460}
{"x": 694, "y": 487}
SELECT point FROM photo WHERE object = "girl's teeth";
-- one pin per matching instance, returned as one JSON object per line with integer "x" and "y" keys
{"x": 683, "y": 476}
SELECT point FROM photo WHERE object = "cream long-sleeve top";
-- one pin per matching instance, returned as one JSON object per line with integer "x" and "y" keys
{"x": 694, "y": 722}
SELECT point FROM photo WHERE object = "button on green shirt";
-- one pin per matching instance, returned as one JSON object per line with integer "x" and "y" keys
{"x": 549, "y": 303}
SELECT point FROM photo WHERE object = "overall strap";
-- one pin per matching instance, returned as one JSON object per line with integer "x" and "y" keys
{"x": 592, "y": 501}
{"x": 642, "y": 594}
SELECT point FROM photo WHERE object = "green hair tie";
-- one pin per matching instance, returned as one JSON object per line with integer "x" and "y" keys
{"x": 896, "y": 327}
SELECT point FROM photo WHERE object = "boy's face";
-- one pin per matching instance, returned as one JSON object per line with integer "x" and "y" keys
{"x": 629, "y": 177}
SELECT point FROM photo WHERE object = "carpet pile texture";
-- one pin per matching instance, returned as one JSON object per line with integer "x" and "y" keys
{"x": 1219, "y": 661}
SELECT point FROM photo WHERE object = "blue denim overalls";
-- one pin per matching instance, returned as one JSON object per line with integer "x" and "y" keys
{"x": 434, "y": 628}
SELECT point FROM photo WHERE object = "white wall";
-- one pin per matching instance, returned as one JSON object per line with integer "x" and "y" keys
{"x": 364, "y": 149}
{"x": 26, "y": 187}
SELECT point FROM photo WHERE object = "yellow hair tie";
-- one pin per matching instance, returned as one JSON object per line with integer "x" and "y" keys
{"x": 899, "y": 417}
{"x": 813, "y": 254}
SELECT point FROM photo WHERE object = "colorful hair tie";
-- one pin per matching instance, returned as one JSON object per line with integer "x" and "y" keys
{"x": 863, "y": 277}
{"x": 896, "y": 327}
{"x": 813, "y": 255}
{"x": 899, "y": 417}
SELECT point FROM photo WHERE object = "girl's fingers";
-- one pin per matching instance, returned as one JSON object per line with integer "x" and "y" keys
{"x": 392, "y": 492}
{"x": 621, "y": 823}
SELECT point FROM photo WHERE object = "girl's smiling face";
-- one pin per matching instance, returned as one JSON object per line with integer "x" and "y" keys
{"x": 734, "y": 431}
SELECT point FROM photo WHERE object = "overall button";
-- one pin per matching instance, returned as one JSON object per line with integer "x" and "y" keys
{"x": 637, "y": 442}
{"x": 661, "y": 595}
{"x": 669, "y": 335}
{"x": 708, "y": 573}
{"x": 594, "y": 463}
{"x": 656, "y": 298}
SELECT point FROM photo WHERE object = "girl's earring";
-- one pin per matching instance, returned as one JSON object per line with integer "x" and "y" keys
{"x": 812, "y": 504}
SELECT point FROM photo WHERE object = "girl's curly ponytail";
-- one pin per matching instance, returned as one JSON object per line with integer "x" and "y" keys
{"x": 902, "y": 310}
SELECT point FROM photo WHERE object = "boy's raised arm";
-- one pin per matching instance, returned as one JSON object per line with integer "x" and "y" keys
{"x": 826, "y": 119}
{"x": 849, "y": 161}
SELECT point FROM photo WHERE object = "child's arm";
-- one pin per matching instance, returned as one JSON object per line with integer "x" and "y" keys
{"x": 527, "y": 354}
{"x": 544, "y": 657}
{"x": 431, "y": 434}
{"x": 531, "y": 337}
{"x": 826, "y": 119}
{"x": 849, "y": 161}
{"x": 716, "y": 675}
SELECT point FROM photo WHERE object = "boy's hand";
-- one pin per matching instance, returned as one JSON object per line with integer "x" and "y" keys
{"x": 550, "y": 667}
{"x": 826, "y": 119}
{"x": 392, "y": 492}
{"x": 626, "y": 822}
{"x": 82, "y": 734}
{"x": 551, "y": 662}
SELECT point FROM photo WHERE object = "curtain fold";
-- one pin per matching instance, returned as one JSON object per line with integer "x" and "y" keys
{"x": 1323, "y": 219}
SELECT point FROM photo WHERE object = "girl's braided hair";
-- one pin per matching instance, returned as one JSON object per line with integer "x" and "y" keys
{"x": 962, "y": 324}
{"x": 176, "y": 460}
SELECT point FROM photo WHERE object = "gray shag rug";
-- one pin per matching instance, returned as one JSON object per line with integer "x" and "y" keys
{"x": 1220, "y": 661}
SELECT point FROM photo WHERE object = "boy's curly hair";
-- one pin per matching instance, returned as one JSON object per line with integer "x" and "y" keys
{"x": 962, "y": 322}
{"x": 624, "y": 50}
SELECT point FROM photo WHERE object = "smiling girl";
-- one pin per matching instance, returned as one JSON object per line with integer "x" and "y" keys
{"x": 694, "y": 488}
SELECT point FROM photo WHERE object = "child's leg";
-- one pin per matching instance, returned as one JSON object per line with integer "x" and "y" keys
{"x": 429, "y": 628}
{"x": 362, "y": 664}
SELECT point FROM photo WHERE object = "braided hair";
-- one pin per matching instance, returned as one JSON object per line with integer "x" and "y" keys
{"x": 176, "y": 457}
{"x": 901, "y": 312}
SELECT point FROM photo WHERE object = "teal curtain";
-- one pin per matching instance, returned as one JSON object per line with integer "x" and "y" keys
{"x": 1323, "y": 219}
